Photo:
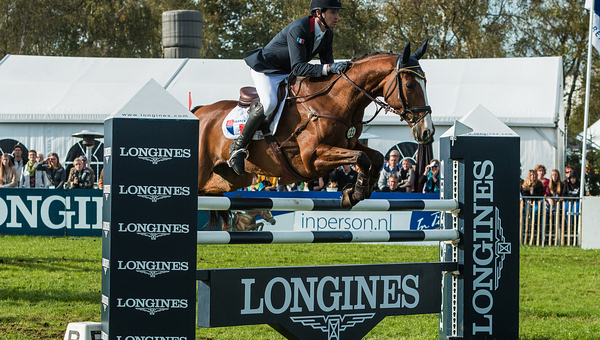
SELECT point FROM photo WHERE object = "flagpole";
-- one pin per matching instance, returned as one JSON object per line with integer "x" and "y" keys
{"x": 587, "y": 103}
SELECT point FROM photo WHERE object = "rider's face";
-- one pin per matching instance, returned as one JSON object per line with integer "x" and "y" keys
{"x": 331, "y": 17}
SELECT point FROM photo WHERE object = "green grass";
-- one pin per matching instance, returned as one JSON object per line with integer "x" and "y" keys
{"x": 45, "y": 283}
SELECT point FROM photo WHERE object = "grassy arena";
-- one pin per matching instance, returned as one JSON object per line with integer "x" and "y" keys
{"x": 45, "y": 283}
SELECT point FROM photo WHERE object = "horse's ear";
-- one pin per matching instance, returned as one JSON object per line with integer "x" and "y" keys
{"x": 421, "y": 50}
{"x": 406, "y": 54}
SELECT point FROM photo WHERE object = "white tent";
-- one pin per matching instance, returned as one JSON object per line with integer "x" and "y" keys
{"x": 43, "y": 100}
{"x": 593, "y": 136}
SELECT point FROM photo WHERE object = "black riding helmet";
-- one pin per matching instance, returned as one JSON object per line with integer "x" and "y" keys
{"x": 321, "y": 4}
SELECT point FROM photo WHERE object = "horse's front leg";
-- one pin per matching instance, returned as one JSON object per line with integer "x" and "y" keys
{"x": 329, "y": 157}
{"x": 377, "y": 161}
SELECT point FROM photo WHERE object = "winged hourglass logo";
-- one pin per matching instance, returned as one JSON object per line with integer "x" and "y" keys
{"x": 333, "y": 325}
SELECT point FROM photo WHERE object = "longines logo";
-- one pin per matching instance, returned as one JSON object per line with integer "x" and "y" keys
{"x": 333, "y": 325}
{"x": 105, "y": 265}
{"x": 154, "y": 230}
{"x": 107, "y": 153}
{"x": 155, "y": 155}
{"x": 105, "y": 228}
{"x": 152, "y": 268}
{"x": 152, "y": 306}
{"x": 398, "y": 292}
{"x": 489, "y": 245}
{"x": 106, "y": 191}
{"x": 154, "y": 192}
{"x": 104, "y": 302}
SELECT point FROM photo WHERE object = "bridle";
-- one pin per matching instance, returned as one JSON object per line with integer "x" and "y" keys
{"x": 417, "y": 113}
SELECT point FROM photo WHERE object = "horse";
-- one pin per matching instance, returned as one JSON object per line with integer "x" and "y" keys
{"x": 320, "y": 126}
{"x": 246, "y": 220}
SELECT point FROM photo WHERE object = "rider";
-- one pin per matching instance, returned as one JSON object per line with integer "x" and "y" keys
{"x": 289, "y": 52}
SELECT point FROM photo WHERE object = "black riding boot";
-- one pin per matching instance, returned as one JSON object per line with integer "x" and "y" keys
{"x": 238, "y": 150}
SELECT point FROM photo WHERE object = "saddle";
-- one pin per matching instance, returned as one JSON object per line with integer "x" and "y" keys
{"x": 248, "y": 95}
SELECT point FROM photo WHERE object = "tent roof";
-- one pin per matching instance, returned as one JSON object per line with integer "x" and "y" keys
{"x": 593, "y": 135}
{"x": 519, "y": 91}
{"x": 74, "y": 90}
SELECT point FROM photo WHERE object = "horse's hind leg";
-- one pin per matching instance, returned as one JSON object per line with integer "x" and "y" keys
{"x": 223, "y": 179}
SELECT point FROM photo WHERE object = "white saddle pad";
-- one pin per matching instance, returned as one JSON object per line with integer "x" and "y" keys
{"x": 234, "y": 122}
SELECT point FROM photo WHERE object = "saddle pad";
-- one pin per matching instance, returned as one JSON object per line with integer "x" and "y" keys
{"x": 234, "y": 122}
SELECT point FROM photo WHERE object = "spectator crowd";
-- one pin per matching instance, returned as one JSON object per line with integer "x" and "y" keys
{"x": 16, "y": 171}
{"x": 396, "y": 176}
{"x": 536, "y": 185}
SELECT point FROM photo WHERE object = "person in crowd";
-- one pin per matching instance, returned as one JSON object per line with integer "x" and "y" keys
{"x": 343, "y": 176}
{"x": 393, "y": 184}
{"x": 318, "y": 184}
{"x": 572, "y": 184}
{"x": 32, "y": 178}
{"x": 540, "y": 170}
{"x": 84, "y": 160}
{"x": 255, "y": 184}
{"x": 55, "y": 172}
{"x": 406, "y": 176}
{"x": 532, "y": 186}
{"x": 89, "y": 168}
{"x": 556, "y": 188}
{"x": 101, "y": 179}
{"x": 390, "y": 168}
{"x": 8, "y": 173}
{"x": 267, "y": 183}
{"x": 431, "y": 177}
{"x": 40, "y": 157}
{"x": 18, "y": 160}
{"x": 289, "y": 52}
{"x": 568, "y": 170}
{"x": 81, "y": 177}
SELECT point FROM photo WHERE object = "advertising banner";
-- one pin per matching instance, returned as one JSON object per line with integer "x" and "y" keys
{"x": 318, "y": 302}
{"x": 149, "y": 220}
{"x": 50, "y": 212}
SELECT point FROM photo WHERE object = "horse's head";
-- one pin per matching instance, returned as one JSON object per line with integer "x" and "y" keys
{"x": 408, "y": 93}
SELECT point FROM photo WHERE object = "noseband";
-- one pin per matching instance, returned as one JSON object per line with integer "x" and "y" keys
{"x": 411, "y": 114}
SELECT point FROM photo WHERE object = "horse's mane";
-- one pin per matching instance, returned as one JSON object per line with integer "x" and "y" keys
{"x": 367, "y": 55}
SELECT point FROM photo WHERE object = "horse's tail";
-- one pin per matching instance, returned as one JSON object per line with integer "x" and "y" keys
{"x": 196, "y": 108}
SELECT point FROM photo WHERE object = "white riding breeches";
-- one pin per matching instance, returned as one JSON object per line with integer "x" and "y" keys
{"x": 266, "y": 86}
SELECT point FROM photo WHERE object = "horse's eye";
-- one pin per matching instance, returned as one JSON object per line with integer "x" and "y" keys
{"x": 410, "y": 86}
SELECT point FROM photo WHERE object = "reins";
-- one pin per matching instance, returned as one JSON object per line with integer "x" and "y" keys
{"x": 381, "y": 104}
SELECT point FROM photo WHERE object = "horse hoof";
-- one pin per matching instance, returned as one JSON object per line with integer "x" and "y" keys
{"x": 348, "y": 200}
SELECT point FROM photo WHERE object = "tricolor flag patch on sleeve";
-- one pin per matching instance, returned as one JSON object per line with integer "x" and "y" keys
{"x": 300, "y": 41}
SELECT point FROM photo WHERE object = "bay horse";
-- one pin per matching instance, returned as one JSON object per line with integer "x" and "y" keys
{"x": 320, "y": 126}
{"x": 246, "y": 220}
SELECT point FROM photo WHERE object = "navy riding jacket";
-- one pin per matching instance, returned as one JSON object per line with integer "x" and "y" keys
{"x": 291, "y": 50}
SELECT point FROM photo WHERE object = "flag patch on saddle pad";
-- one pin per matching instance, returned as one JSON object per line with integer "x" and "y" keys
{"x": 300, "y": 41}
{"x": 235, "y": 126}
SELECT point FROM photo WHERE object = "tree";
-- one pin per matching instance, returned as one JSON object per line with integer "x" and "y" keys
{"x": 455, "y": 28}
{"x": 235, "y": 26}
{"x": 110, "y": 28}
{"x": 556, "y": 28}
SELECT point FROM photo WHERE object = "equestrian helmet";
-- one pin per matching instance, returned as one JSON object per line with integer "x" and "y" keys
{"x": 320, "y": 4}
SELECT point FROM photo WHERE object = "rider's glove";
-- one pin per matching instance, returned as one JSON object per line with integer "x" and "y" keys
{"x": 337, "y": 67}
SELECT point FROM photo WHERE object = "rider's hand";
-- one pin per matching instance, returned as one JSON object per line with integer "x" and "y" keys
{"x": 337, "y": 67}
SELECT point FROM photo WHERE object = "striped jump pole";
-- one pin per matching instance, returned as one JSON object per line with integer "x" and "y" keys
{"x": 310, "y": 204}
{"x": 272, "y": 237}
